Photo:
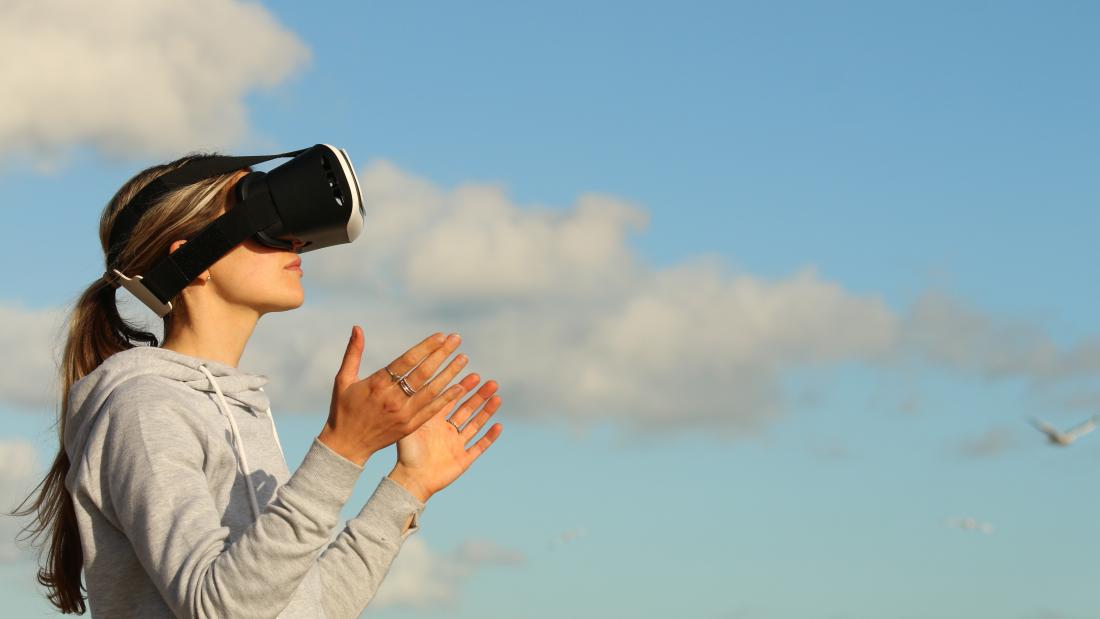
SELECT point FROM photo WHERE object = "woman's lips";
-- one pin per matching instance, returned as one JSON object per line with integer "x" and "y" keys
{"x": 295, "y": 265}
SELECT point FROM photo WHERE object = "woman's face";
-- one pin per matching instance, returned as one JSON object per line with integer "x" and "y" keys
{"x": 254, "y": 275}
{"x": 261, "y": 277}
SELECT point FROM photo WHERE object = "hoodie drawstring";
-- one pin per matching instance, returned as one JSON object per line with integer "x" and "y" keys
{"x": 242, "y": 460}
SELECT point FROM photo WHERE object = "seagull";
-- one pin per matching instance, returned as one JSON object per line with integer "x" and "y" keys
{"x": 1065, "y": 438}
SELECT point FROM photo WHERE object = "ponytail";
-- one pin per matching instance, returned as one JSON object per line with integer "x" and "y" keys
{"x": 96, "y": 331}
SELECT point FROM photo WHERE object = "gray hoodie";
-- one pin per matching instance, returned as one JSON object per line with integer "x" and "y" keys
{"x": 186, "y": 507}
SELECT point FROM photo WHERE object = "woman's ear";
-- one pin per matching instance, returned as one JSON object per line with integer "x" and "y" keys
{"x": 205, "y": 275}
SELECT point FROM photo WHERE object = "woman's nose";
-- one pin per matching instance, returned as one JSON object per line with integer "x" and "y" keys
{"x": 295, "y": 244}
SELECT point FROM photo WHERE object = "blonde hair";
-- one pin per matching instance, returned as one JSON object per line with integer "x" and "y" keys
{"x": 96, "y": 331}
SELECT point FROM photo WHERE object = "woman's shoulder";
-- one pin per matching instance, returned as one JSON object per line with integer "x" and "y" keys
{"x": 150, "y": 386}
{"x": 151, "y": 395}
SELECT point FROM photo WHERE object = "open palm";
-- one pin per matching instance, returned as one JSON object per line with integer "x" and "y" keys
{"x": 436, "y": 454}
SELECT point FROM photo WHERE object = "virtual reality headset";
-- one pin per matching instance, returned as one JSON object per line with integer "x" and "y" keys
{"x": 313, "y": 198}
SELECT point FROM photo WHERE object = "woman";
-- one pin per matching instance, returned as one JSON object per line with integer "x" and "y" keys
{"x": 170, "y": 488}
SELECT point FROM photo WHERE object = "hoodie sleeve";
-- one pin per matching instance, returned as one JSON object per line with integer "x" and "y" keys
{"x": 152, "y": 472}
{"x": 355, "y": 563}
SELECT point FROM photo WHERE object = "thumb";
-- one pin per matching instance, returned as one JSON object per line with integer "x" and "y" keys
{"x": 349, "y": 367}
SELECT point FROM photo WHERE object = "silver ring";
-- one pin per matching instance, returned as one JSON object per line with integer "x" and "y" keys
{"x": 392, "y": 375}
{"x": 409, "y": 391}
{"x": 457, "y": 429}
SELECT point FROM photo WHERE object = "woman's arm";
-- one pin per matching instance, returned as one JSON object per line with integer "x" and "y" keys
{"x": 355, "y": 564}
{"x": 429, "y": 459}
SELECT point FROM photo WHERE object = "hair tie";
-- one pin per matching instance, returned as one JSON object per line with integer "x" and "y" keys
{"x": 109, "y": 278}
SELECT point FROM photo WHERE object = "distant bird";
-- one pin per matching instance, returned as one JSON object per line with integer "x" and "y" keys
{"x": 567, "y": 537}
{"x": 970, "y": 524}
{"x": 1065, "y": 438}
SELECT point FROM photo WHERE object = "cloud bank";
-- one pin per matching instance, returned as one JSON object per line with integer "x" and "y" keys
{"x": 28, "y": 379}
{"x": 556, "y": 305}
{"x": 134, "y": 77}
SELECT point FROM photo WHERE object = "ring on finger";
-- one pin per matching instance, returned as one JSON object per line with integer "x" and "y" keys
{"x": 395, "y": 377}
{"x": 409, "y": 391}
{"x": 457, "y": 429}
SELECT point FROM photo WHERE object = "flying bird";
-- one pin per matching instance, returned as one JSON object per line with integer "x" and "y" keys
{"x": 1065, "y": 438}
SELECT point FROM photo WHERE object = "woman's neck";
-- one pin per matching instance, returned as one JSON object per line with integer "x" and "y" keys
{"x": 221, "y": 337}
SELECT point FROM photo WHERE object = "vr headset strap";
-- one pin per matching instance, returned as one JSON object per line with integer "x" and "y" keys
{"x": 191, "y": 172}
{"x": 172, "y": 273}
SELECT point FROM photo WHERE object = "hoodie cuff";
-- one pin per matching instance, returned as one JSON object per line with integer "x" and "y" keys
{"x": 389, "y": 508}
{"x": 325, "y": 476}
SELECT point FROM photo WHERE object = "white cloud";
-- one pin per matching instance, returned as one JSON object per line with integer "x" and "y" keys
{"x": 472, "y": 245}
{"x": 952, "y": 334}
{"x": 555, "y": 305}
{"x": 425, "y": 580}
{"x": 29, "y": 379}
{"x": 693, "y": 344}
{"x": 134, "y": 77}
{"x": 18, "y": 467}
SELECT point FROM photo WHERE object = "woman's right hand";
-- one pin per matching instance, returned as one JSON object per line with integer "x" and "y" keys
{"x": 367, "y": 415}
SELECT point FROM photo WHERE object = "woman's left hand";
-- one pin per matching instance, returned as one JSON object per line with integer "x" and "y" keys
{"x": 435, "y": 454}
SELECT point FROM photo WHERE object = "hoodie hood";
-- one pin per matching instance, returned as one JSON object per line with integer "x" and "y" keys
{"x": 87, "y": 395}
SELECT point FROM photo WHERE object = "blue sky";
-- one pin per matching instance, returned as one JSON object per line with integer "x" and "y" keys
{"x": 895, "y": 150}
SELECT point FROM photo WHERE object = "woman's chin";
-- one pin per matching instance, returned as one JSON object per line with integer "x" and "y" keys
{"x": 289, "y": 300}
{"x": 296, "y": 301}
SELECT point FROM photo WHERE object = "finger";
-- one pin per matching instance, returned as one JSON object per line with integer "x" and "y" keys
{"x": 467, "y": 385}
{"x": 412, "y": 356}
{"x": 349, "y": 366}
{"x": 479, "y": 447}
{"x": 428, "y": 392}
{"x": 464, "y": 412}
{"x": 435, "y": 406}
{"x": 478, "y": 422}
{"x": 418, "y": 377}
